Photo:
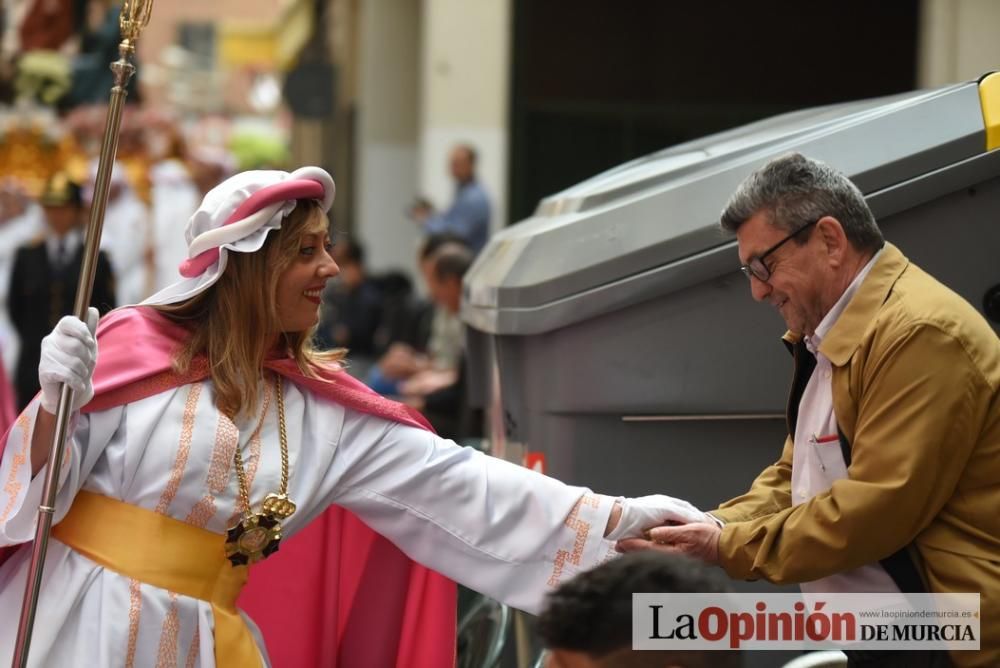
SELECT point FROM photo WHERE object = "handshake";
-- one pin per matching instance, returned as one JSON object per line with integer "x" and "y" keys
{"x": 666, "y": 524}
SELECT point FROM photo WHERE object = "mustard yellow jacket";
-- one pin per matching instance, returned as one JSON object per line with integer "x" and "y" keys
{"x": 916, "y": 372}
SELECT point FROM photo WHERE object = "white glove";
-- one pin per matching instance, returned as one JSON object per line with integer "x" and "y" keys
{"x": 647, "y": 512}
{"x": 69, "y": 355}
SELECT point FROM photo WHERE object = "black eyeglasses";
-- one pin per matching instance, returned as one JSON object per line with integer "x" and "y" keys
{"x": 755, "y": 267}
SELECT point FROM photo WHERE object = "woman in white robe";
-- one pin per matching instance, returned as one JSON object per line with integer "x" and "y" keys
{"x": 501, "y": 529}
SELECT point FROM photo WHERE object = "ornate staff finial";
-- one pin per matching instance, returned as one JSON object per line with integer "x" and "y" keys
{"x": 134, "y": 17}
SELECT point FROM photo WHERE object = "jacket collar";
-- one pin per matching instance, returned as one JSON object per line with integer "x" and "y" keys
{"x": 846, "y": 334}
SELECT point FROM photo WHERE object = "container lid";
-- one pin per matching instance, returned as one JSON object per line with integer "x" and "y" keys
{"x": 654, "y": 220}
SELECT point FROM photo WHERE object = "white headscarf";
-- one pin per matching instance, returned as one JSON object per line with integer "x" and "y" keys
{"x": 237, "y": 215}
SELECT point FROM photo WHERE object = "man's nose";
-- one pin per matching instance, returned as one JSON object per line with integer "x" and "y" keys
{"x": 759, "y": 289}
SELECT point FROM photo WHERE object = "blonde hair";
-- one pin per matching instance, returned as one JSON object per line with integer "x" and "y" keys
{"x": 233, "y": 322}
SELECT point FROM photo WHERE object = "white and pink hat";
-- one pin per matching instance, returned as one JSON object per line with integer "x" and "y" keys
{"x": 237, "y": 215}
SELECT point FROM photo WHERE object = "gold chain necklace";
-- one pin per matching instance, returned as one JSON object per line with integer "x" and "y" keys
{"x": 258, "y": 535}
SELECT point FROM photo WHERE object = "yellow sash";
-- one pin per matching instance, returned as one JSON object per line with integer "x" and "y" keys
{"x": 163, "y": 552}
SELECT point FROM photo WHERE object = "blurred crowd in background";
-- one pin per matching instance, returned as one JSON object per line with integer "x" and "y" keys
{"x": 405, "y": 339}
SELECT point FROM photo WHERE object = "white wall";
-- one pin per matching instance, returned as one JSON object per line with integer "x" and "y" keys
{"x": 431, "y": 73}
{"x": 388, "y": 93}
{"x": 465, "y": 81}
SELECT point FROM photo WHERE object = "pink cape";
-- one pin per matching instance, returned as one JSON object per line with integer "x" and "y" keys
{"x": 337, "y": 594}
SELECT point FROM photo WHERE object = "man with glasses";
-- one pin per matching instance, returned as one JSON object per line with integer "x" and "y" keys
{"x": 889, "y": 479}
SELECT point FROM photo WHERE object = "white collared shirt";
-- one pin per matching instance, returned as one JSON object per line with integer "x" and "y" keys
{"x": 817, "y": 461}
{"x": 71, "y": 241}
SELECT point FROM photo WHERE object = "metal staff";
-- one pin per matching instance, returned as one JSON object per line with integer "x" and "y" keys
{"x": 133, "y": 18}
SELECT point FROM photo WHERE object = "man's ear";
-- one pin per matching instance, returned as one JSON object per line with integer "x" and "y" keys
{"x": 832, "y": 234}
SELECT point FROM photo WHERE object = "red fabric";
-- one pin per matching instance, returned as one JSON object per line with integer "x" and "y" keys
{"x": 337, "y": 594}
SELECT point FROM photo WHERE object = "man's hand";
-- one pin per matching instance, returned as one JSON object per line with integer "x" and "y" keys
{"x": 421, "y": 210}
{"x": 699, "y": 540}
{"x": 427, "y": 381}
{"x": 401, "y": 361}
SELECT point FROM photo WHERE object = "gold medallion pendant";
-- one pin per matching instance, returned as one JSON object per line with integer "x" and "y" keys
{"x": 258, "y": 535}
{"x": 252, "y": 539}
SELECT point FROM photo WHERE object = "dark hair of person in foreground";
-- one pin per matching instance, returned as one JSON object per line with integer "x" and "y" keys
{"x": 587, "y": 621}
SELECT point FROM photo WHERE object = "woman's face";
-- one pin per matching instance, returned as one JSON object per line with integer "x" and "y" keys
{"x": 301, "y": 284}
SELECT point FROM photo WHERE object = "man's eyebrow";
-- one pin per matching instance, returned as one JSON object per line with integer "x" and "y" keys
{"x": 755, "y": 253}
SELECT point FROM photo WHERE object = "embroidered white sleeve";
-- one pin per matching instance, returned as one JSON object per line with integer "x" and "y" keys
{"x": 21, "y": 494}
{"x": 498, "y": 528}
{"x": 587, "y": 521}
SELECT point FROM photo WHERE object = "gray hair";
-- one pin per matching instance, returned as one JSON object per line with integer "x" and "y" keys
{"x": 794, "y": 191}
{"x": 451, "y": 260}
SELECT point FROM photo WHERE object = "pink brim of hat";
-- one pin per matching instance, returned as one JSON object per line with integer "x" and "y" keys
{"x": 279, "y": 192}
